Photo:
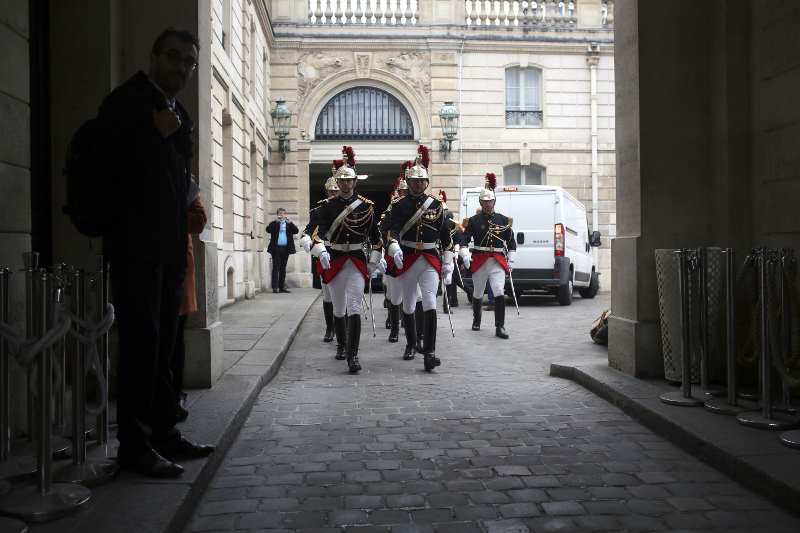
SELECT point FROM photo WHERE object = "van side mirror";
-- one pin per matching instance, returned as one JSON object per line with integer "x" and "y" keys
{"x": 595, "y": 239}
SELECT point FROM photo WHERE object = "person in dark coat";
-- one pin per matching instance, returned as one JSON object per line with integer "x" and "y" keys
{"x": 144, "y": 153}
{"x": 281, "y": 246}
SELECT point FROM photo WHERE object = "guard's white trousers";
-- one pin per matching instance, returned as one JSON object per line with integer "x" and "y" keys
{"x": 326, "y": 293}
{"x": 347, "y": 290}
{"x": 495, "y": 273}
{"x": 394, "y": 293}
{"x": 421, "y": 278}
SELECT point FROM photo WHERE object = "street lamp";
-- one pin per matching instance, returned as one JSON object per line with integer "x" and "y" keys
{"x": 448, "y": 117}
{"x": 281, "y": 122}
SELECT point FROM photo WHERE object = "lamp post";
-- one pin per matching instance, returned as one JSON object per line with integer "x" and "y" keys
{"x": 448, "y": 117}
{"x": 281, "y": 122}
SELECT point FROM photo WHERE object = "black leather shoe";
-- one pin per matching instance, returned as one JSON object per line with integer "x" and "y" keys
{"x": 180, "y": 409}
{"x": 340, "y": 328}
{"x": 454, "y": 303}
{"x": 150, "y": 464}
{"x": 275, "y": 291}
{"x": 284, "y": 289}
{"x": 186, "y": 449}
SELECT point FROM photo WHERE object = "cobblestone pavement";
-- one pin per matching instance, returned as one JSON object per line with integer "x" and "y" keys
{"x": 487, "y": 442}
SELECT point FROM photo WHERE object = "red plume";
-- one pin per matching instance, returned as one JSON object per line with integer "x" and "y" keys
{"x": 351, "y": 155}
{"x": 443, "y": 195}
{"x": 426, "y": 157}
{"x": 399, "y": 179}
{"x": 405, "y": 166}
{"x": 337, "y": 163}
{"x": 492, "y": 180}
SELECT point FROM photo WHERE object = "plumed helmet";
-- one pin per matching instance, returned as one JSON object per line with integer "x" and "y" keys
{"x": 401, "y": 182}
{"x": 347, "y": 170}
{"x": 331, "y": 184}
{"x": 420, "y": 168}
{"x": 442, "y": 197}
{"x": 488, "y": 189}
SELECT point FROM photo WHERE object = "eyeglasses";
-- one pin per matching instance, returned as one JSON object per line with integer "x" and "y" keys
{"x": 175, "y": 58}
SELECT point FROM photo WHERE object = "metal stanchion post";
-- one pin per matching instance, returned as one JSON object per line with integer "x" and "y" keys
{"x": 787, "y": 261}
{"x": 44, "y": 500}
{"x": 89, "y": 472}
{"x": 683, "y": 397}
{"x": 767, "y": 418}
{"x": 60, "y": 424}
{"x": 705, "y": 341}
{"x": 731, "y": 405}
{"x": 11, "y": 468}
{"x": 104, "y": 447}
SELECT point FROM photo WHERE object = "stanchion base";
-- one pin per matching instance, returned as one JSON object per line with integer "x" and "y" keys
{"x": 92, "y": 473}
{"x": 697, "y": 390}
{"x": 58, "y": 445}
{"x": 787, "y": 408}
{"x": 27, "y": 503}
{"x": 791, "y": 439}
{"x": 12, "y": 525}
{"x": 103, "y": 451}
{"x": 677, "y": 398}
{"x": 755, "y": 419}
{"x": 751, "y": 395}
{"x": 5, "y": 486}
{"x": 18, "y": 469}
{"x": 720, "y": 406}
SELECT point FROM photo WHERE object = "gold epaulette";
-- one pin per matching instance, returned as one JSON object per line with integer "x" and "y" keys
{"x": 465, "y": 222}
{"x": 394, "y": 201}
{"x": 365, "y": 200}
{"x": 323, "y": 201}
{"x": 510, "y": 221}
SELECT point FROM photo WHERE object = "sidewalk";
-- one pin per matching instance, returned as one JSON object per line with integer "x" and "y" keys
{"x": 258, "y": 334}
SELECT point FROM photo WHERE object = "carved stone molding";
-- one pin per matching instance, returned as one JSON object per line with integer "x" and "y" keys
{"x": 413, "y": 67}
{"x": 314, "y": 67}
{"x": 363, "y": 64}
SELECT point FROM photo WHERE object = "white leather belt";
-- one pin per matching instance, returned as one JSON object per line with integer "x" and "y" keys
{"x": 490, "y": 249}
{"x": 345, "y": 247}
{"x": 418, "y": 245}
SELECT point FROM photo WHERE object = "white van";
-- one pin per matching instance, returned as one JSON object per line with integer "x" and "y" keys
{"x": 553, "y": 240}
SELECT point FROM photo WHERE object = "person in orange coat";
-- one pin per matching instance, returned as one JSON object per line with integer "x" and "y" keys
{"x": 197, "y": 222}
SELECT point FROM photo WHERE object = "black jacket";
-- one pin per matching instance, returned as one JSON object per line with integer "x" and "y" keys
{"x": 430, "y": 227}
{"x": 489, "y": 231}
{"x": 274, "y": 229}
{"x": 145, "y": 176}
{"x": 357, "y": 228}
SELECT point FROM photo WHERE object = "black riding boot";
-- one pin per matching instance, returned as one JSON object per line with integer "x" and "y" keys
{"x": 500, "y": 317}
{"x": 419, "y": 317}
{"x": 387, "y": 304}
{"x": 429, "y": 341}
{"x": 327, "y": 310}
{"x": 340, "y": 327}
{"x": 476, "y": 313}
{"x": 353, "y": 338}
{"x": 394, "y": 316}
{"x": 411, "y": 336}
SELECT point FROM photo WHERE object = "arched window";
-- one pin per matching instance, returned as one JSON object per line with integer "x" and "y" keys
{"x": 364, "y": 113}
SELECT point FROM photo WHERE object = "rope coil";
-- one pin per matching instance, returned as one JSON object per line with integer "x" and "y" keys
{"x": 91, "y": 334}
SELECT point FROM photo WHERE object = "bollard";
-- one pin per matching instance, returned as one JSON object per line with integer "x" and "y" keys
{"x": 88, "y": 472}
{"x": 731, "y": 405}
{"x": 767, "y": 418}
{"x": 683, "y": 397}
{"x": 11, "y": 468}
{"x": 104, "y": 447}
{"x": 44, "y": 500}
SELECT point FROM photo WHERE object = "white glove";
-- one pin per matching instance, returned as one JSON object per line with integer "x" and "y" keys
{"x": 467, "y": 259}
{"x": 398, "y": 258}
{"x": 325, "y": 260}
{"x": 382, "y": 265}
{"x": 510, "y": 265}
{"x": 371, "y": 267}
{"x": 447, "y": 273}
{"x": 307, "y": 246}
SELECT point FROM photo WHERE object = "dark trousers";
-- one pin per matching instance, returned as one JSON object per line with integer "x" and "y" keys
{"x": 280, "y": 256}
{"x": 458, "y": 281}
{"x": 179, "y": 357}
{"x": 147, "y": 300}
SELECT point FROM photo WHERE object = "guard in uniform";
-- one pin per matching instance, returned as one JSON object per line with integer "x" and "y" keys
{"x": 492, "y": 258}
{"x": 393, "y": 295}
{"x": 331, "y": 190}
{"x": 421, "y": 246}
{"x": 449, "y": 295}
{"x": 345, "y": 226}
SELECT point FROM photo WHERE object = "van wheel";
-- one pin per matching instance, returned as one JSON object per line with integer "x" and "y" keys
{"x": 591, "y": 291}
{"x": 564, "y": 293}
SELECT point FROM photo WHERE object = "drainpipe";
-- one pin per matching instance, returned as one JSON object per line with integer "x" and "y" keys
{"x": 593, "y": 60}
{"x": 461, "y": 129}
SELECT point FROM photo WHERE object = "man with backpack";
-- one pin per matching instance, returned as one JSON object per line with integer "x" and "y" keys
{"x": 143, "y": 164}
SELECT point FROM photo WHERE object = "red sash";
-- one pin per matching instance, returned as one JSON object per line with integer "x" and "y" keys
{"x": 338, "y": 263}
{"x": 479, "y": 258}
{"x": 409, "y": 260}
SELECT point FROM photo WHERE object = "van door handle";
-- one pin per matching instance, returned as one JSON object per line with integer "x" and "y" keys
{"x": 520, "y": 238}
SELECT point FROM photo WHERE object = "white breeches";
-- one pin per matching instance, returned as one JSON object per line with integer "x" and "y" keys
{"x": 495, "y": 273}
{"x": 326, "y": 293}
{"x": 347, "y": 290}
{"x": 394, "y": 293}
{"x": 420, "y": 279}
